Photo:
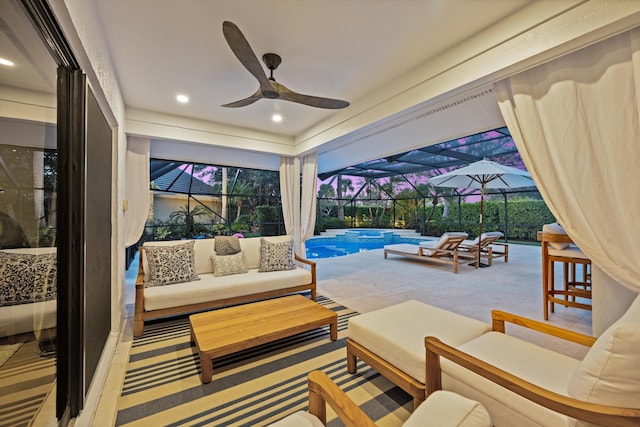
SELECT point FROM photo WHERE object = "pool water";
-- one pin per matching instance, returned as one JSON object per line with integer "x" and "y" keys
{"x": 354, "y": 241}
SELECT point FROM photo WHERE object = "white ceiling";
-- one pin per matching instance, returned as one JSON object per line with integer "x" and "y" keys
{"x": 345, "y": 49}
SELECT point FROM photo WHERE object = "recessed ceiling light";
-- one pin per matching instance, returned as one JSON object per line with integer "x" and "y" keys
{"x": 276, "y": 118}
{"x": 6, "y": 62}
{"x": 182, "y": 99}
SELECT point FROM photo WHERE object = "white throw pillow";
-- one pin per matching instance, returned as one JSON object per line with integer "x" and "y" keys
{"x": 555, "y": 228}
{"x": 609, "y": 373}
{"x": 228, "y": 264}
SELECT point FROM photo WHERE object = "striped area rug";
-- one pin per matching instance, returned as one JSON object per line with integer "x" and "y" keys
{"x": 254, "y": 387}
{"x": 25, "y": 381}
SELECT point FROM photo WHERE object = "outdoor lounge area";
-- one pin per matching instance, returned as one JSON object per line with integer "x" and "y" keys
{"x": 364, "y": 284}
{"x": 125, "y": 123}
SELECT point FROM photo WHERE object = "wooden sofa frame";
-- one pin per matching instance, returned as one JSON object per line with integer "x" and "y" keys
{"x": 140, "y": 314}
{"x": 605, "y": 415}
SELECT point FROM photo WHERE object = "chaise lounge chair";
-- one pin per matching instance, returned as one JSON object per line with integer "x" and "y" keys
{"x": 489, "y": 248}
{"x": 444, "y": 250}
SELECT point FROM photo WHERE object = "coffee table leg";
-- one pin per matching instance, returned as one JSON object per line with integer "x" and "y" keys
{"x": 333, "y": 330}
{"x": 206, "y": 369}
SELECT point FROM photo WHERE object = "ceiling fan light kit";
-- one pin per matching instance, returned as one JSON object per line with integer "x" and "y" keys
{"x": 269, "y": 88}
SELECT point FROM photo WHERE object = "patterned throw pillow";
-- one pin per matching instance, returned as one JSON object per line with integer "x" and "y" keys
{"x": 226, "y": 245}
{"x": 27, "y": 278}
{"x": 228, "y": 264}
{"x": 276, "y": 256}
{"x": 171, "y": 264}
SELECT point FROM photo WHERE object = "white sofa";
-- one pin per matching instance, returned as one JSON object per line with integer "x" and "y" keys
{"x": 211, "y": 291}
{"x": 28, "y": 317}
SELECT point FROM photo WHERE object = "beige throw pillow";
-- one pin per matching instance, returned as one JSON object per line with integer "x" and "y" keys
{"x": 226, "y": 245}
{"x": 228, "y": 264}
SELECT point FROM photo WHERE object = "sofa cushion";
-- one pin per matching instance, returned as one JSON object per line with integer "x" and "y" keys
{"x": 446, "y": 409}
{"x": 228, "y": 264}
{"x": 276, "y": 256}
{"x": 211, "y": 288}
{"x": 396, "y": 333}
{"x": 609, "y": 373}
{"x": 171, "y": 264}
{"x": 27, "y": 278}
{"x": 226, "y": 245}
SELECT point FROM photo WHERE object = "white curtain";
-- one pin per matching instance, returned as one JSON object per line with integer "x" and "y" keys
{"x": 575, "y": 121}
{"x": 290, "y": 195}
{"x": 136, "y": 188}
{"x": 308, "y": 201}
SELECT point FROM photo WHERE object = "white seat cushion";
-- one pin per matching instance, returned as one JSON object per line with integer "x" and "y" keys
{"x": 396, "y": 333}
{"x": 609, "y": 373}
{"x": 406, "y": 248}
{"x": 298, "y": 419}
{"x": 530, "y": 362}
{"x": 446, "y": 409}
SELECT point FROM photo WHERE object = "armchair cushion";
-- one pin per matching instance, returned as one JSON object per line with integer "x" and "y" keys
{"x": 538, "y": 365}
{"x": 298, "y": 419}
{"x": 609, "y": 372}
{"x": 555, "y": 228}
{"x": 447, "y": 409}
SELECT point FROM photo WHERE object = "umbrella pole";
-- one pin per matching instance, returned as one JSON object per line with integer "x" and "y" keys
{"x": 480, "y": 227}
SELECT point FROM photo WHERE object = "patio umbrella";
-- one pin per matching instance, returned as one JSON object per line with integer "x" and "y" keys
{"x": 483, "y": 174}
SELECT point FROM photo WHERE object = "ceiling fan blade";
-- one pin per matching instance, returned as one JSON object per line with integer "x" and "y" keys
{"x": 313, "y": 101}
{"x": 247, "y": 101}
{"x": 241, "y": 48}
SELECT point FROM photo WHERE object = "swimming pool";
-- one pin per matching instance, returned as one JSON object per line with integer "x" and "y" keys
{"x": 353, "y": 241}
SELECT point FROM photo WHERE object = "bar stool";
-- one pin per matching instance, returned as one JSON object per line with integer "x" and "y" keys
{"x": 557, "y": 246}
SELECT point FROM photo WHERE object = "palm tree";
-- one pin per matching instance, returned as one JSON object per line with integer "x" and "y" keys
{"x": 183, "y": 214}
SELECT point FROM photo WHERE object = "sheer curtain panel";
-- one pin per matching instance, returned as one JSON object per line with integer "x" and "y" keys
{"x": 575, "y": 121}
{"x": 137, "y": 188}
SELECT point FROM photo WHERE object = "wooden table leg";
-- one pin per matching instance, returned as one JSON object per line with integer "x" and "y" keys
{"x": 333, "y": 330}
{"x": 206, "y": 368}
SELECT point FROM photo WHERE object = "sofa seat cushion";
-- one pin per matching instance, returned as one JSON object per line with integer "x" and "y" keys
{"x": 396, "y": 333}
{"x": 19, "y": 319}
{"x": 210, "y": 288}
{"x": 530, "y": 362}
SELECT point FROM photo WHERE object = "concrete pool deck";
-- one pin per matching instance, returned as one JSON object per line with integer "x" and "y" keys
{"x": 366, "y": 281}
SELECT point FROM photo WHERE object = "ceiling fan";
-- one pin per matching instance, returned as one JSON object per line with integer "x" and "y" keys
{"x": 269, "y": 88}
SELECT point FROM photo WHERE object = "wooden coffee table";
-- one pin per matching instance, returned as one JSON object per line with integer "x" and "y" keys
{"x": 228, "y": 330}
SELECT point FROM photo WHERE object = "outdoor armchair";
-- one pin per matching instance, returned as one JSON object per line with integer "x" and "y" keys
{"x": 522, "y": 384}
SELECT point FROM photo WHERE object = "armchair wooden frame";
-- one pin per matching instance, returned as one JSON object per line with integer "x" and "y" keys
{"x": 323, "y": 391}
{"x": 611, "y": 416}
{"x": 572, "y": 287}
